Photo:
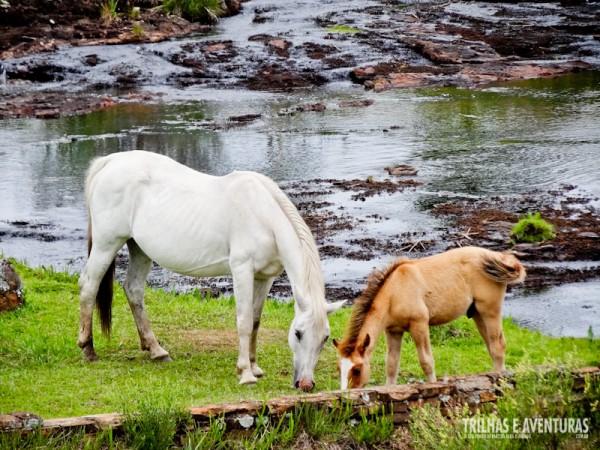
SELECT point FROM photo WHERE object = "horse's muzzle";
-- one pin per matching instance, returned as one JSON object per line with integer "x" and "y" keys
{"x": 305, "y": 385}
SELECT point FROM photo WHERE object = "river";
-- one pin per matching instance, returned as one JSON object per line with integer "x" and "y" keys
{"x": 499, "y": 140}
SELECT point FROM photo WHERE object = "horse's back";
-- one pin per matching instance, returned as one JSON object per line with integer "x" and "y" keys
{"x": 184, "y": 220}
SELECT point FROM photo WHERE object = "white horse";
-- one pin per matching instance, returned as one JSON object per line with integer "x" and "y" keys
{"x": 200, "y": 225}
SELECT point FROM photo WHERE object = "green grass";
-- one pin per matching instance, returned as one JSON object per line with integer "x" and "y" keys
{"x": 42, "y": 371}
{"x": 535, "y": 395}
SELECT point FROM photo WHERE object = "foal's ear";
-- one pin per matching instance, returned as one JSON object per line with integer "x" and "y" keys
{"x": 336, "y": 344}
{"x": 362, "y": 347}
{"x": 333, "y": 307}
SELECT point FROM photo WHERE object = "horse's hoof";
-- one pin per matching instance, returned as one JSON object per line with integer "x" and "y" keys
{"x": 90, "y": 355}
{"x": 257, "y": 372}
{"x": 248, "y": 380}
{"x": 163, "y": 358}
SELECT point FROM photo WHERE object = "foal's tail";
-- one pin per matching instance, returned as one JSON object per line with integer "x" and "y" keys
{"x": 503, "y": 268}
{"x": 104, "y": 297}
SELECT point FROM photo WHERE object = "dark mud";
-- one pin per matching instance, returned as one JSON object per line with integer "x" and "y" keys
{"x": 394, "y": 44}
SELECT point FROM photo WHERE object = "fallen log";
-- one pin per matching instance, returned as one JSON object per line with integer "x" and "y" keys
{"x": 474, "y": 391}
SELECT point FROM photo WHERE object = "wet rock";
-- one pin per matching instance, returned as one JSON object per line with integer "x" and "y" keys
{"x": 359, "y": 103}
{"x": 280, "y": 46}
{"x": 316, "y": 107}
{"x": 402, "y": 170}
{"x": 245, "y": 118}
{"x": 276, "y": 78}
{"x": 11, "y": 290}
{"x": 91, "y": 60}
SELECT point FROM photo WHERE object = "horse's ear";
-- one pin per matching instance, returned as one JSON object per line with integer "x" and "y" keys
{"x": 362, "y": 347}
{"x": 336, "y": 344}
{"x": 333, "y": 307}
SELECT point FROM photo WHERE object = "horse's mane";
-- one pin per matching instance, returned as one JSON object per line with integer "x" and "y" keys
{"x": 362, "y": 305}
{"x": 313, "y": 275}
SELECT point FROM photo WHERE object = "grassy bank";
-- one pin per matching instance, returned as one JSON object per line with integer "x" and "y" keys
{"x": 42, "y": 371}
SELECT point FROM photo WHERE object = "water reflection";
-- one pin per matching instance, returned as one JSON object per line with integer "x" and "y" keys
{"x": 515, "y": 137}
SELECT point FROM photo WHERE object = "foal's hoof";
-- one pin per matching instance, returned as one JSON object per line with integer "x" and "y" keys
{"x": 163, "y": 358}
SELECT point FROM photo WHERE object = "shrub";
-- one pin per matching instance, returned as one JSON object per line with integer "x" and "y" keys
{"x": 532, "y": 229}
{"x": 206, "y": 11}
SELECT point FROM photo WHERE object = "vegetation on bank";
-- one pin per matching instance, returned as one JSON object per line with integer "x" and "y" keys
{"x": 42, "y": 370}
{"x": 532, "y": 228}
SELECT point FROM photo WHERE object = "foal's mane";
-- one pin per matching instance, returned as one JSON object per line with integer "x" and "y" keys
{"x": 363, "y": 304}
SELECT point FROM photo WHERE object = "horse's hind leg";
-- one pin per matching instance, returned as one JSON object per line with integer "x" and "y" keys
{"x": 98, "y": 263}
{"x": 420, "y": 334}
{"x": 394, "y": 346}
{"x": 139, "y": 266}
{"x": 261, "y": 289}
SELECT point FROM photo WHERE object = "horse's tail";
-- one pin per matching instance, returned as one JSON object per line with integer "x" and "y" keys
{"x": 104, "y": 297}
{"x": 503, "y": 268}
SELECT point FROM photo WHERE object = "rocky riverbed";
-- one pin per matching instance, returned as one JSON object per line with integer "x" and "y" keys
{"x": 381, "y": 44}
{"x": 62, "y": 63}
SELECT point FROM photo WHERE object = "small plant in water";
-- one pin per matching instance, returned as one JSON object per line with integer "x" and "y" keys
{"x": 342, "y": 29}
{"x": 532, "y": 229}
{"x": 137, "y": 29}
{"x": 134, "y": 13}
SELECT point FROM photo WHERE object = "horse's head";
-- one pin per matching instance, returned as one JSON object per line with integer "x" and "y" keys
{"x": 353, "y": 366}
{"x": 307, "y": 338}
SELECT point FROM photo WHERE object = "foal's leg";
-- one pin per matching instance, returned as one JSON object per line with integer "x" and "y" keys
{"x": 482, "y": 330}
{"x": 261, "y": 289}
{"x": 420, "y": 334}
{"x": 139, "y": 266}
{"x": 497, "y": 343}
{"x": 243, "y": 288}
{"x": 97, "y": 265}
{"x": 394, "y": 346}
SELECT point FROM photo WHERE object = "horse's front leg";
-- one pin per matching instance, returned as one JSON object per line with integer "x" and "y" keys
{"x": 261, "y": 290}
{"x": 392, "y": 360}
{"x": 243, "y": 287}
{"x": 139, "y": 266}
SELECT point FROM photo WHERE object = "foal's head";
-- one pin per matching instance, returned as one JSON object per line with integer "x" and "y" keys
{"x": 354, "y": 367}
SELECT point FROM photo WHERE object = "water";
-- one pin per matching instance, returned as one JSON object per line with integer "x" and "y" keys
{"x": 575, "y": 304}
{"x": 500, "y": 140}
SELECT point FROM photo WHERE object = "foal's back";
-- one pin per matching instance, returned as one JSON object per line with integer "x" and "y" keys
{"x": 443, "y": 287}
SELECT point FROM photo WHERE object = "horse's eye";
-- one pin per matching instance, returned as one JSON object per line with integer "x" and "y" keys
{"x": 299, "y": 335}
{"x": 356, "y": 372}
{"x": 326, "y": 337}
